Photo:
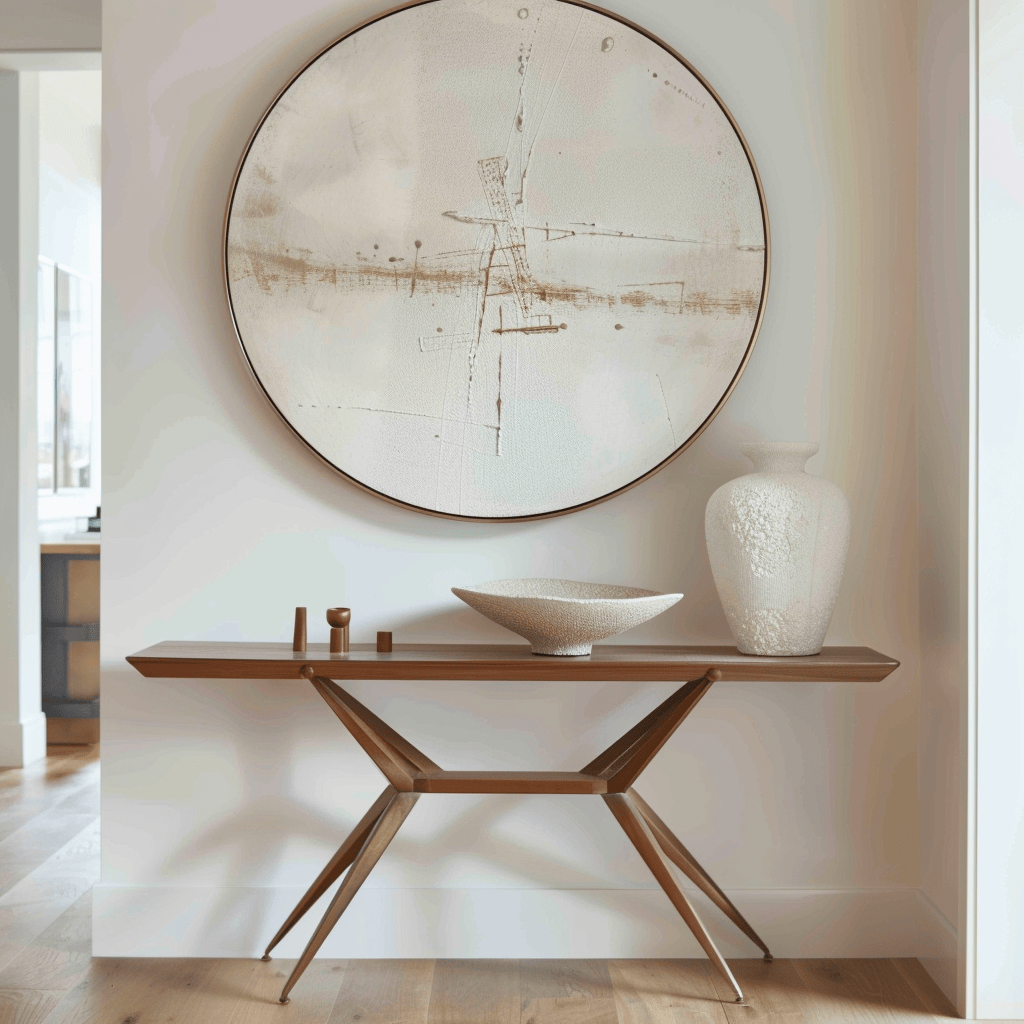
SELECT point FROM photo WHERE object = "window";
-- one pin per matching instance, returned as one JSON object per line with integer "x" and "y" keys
{"x": 65, "y": 380}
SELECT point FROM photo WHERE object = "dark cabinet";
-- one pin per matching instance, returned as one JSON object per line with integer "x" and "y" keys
{"x": 70, "y": 587}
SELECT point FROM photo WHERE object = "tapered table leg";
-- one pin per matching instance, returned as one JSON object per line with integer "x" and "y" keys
{"x": 610, "y": 775}
{"x": 336, "y": 865}
{"x": 634, "y": 825}
{"x": 376, "y": 843}
{"x": 686, "y": 863}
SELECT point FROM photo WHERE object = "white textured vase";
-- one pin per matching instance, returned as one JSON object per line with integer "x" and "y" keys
{"x": 777, "y": 540}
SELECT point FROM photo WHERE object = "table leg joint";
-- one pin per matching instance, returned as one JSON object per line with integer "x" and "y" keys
{"x": 624, "y": 760}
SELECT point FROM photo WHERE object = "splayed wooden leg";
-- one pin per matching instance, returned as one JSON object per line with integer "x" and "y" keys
{"x": 634, "y": 825}
{"x": 376, "y": 843}
{"x": 335, "y": 866}
{"x": 684, "y": 860}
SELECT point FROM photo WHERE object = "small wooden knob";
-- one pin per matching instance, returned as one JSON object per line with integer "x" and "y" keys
{"x": 383, "y": 642}
{"x": 339, "y": 617}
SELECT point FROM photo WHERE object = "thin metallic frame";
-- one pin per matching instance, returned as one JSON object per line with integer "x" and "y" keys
{"x": 572, "y": 508}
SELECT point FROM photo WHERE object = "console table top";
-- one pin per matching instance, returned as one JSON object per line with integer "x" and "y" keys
{"x": 211, "y": 659}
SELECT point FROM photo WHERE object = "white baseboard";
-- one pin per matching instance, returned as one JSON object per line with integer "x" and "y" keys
{"x": 943, "y": 965}
{"x": 999, "y": 1011}
{"x": 23, "y": 743}
{"x": 172, "y": 921}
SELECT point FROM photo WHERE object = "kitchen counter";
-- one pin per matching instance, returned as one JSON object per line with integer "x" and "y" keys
{"x": 61, "y": 542}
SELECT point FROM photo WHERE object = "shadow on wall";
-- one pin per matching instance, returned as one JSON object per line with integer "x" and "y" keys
{"x": 277, "y": 819}
{"x": 697, "y": 618}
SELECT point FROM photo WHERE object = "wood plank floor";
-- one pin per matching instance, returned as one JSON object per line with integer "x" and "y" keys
{"x": 49, "y": 860}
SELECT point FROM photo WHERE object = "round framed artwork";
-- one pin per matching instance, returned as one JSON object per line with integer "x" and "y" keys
{"x": 497, "y": 260}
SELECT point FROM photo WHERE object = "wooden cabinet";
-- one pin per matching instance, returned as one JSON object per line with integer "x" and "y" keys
{"x": 70, "y": 590}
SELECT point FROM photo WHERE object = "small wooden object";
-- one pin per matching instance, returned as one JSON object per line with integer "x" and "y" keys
{"x": 299, "y": 638}
{"x": 338, "y": 619}
{"x": 383, "y": 641}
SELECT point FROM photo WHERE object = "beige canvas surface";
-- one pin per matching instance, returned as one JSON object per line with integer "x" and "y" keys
{"x": 494, "y": 260}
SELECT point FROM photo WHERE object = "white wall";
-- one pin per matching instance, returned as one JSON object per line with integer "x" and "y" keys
{"x": 221, "y": 799}
{"x": 70, "y": 228}
{"x": 942, "y": 457}
{"x": 999, "y": 822}
{"x": 50, "y": 25}
{"x": 70, "y": 105}
{"x": 22, "y": 725}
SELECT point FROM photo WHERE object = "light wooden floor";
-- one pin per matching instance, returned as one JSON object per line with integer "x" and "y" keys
{"x": 49, "y": 860}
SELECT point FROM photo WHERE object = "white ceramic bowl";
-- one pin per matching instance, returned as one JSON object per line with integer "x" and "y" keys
{"x": 564, "y": 616}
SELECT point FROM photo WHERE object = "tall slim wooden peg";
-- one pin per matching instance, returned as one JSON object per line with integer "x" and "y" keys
{"x": 338, "y": 619}
{"x": 299, "y": 637}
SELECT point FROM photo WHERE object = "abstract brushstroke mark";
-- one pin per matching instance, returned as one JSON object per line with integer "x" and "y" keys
{"x": 454, "y": 273}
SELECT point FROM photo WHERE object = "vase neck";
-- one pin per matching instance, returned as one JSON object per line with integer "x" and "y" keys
{"x": 779, "y": 456}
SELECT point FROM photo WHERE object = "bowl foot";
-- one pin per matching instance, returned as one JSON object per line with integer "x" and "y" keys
{"x": 568, "y": 651}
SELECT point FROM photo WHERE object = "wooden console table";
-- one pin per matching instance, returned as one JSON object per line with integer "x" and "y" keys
{"x": 410, "y": 773}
